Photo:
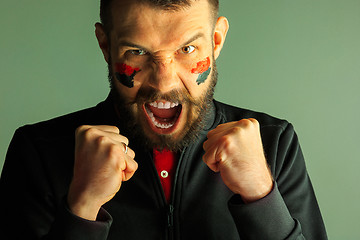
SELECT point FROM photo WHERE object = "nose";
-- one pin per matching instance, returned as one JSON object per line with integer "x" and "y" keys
{"x": 164, "y": 77}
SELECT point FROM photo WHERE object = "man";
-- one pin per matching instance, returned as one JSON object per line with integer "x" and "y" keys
{"x": 159, "y": 159}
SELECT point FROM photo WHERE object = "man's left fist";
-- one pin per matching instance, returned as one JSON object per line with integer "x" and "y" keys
{"x": 235, "y": 150}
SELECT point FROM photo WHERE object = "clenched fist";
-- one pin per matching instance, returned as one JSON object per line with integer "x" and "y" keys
{"x": 101, "y": 165}
{"x": 235, "y": 150}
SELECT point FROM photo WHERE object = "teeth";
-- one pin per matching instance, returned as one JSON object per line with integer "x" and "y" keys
{"x": 160, "y": 105}
{"x": 164, "y": 105}
{"x": 157, "y": 124}
{"x": 154, "y": 104}
{"x": 167, "y": 105}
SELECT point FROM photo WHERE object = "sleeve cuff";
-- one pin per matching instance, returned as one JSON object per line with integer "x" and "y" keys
{"x": 267, "y": 218}
{"x": 69, "y": 226}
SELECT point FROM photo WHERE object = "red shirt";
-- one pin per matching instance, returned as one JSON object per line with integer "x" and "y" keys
{"x": 165, "y": 163}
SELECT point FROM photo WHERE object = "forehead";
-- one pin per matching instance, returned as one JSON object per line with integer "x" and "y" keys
{"x": 157, "y": 26}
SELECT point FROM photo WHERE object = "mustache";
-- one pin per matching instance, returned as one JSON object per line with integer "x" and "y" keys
{"x": 148, "y": 95}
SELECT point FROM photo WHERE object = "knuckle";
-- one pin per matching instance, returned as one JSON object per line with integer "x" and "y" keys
{"x": 136, "y": 164}
{"x": 100, "y": 140}
{"x": 126, "y": 140}
{"x": 226, "y": 141}
{"x": 81, "y": 129}
{"x": 236, "y": 130}
{"x": 90, "y": 132}
{"x": 244, "y": 123}
{"x": 205, "y": 144}
{"x": 133, "y": 166}
{"x": 132, "y": 153}
{"x": 248, "y": 123}
{"x": 115, "y": 129}
{"x": 204, "y": 158}
{"x": 254, "y": 122}
{"x": 208, "y": 157}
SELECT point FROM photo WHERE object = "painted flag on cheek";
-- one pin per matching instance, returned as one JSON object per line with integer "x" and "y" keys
{"x": 125, "y": 74}
{"x": 203, "y": 69}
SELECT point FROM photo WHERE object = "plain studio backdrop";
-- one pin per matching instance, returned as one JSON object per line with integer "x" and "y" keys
{"x": 294, "y": 59}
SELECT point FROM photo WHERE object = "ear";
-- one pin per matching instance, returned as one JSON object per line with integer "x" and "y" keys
{"x": 220, "y": 31}
{"x": 102, "y": 40}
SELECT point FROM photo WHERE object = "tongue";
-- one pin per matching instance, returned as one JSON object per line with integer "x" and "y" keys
{"x": 163, "y": 113}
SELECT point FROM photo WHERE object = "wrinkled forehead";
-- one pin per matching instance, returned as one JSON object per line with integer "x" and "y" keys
{"x": 135, "y": 19}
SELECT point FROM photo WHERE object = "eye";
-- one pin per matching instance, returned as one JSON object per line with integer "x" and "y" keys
{"x": 188, "y": 49}
{"x": 138, "y": 52}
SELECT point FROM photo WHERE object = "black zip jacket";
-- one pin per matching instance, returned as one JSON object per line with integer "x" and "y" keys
{"x": 38, "y": 171}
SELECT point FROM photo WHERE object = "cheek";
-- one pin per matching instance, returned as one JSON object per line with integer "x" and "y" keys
{"x": 125, "y": 74}
{"x": 202, "y": 69}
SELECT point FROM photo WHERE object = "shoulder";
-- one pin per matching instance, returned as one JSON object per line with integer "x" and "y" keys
{"x": 65, "y": 125}
{"x": 229, "y": 113}
{"x": 57, "y": 126}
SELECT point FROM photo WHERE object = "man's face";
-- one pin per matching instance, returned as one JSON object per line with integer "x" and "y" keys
{"x": 162, "y": 68}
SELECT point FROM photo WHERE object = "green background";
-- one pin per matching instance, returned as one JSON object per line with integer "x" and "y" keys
{"x": 295, "y": 59}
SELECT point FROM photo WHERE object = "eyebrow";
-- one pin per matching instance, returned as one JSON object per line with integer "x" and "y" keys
{"x": 195, "y": 37}
{"x": 130, "y": 44}
{"x": 133, "y": 45}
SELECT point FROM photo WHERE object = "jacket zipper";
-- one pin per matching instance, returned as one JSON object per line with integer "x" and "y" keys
{"x": 170, "y": 218}
{"x": 170, "y": 207}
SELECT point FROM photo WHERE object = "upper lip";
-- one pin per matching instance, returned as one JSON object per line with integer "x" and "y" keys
{"x": 164, "y": 104}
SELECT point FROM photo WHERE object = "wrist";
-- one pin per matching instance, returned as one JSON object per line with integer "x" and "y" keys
{"x": 83, "y": 208}
{"x": 257, "y": 193}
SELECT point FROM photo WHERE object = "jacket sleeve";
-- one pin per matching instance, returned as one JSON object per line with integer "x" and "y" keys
{"x": 290, "y": 210}
{"x": 30, "y": 209}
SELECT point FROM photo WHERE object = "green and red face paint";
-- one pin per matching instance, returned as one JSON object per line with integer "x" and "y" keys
{"x": 203, "y": 69}
{"x": 125, "y": 74}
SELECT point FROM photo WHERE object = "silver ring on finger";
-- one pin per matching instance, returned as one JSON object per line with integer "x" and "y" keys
{"x": 126, "y": 148}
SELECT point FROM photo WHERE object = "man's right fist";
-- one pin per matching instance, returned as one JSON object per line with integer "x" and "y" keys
{"x": 101, "y": 165}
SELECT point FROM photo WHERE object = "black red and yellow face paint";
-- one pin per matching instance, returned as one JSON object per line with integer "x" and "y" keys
{"x": 125, "y": 74}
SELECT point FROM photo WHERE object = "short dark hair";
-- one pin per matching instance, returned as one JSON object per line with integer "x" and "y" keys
{"x": 105, "y": 8}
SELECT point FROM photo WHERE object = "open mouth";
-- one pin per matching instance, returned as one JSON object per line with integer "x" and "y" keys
{"x": 162, "y": 115}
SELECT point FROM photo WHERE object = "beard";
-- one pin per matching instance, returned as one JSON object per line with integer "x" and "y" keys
{"x": 136, "y": 127}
